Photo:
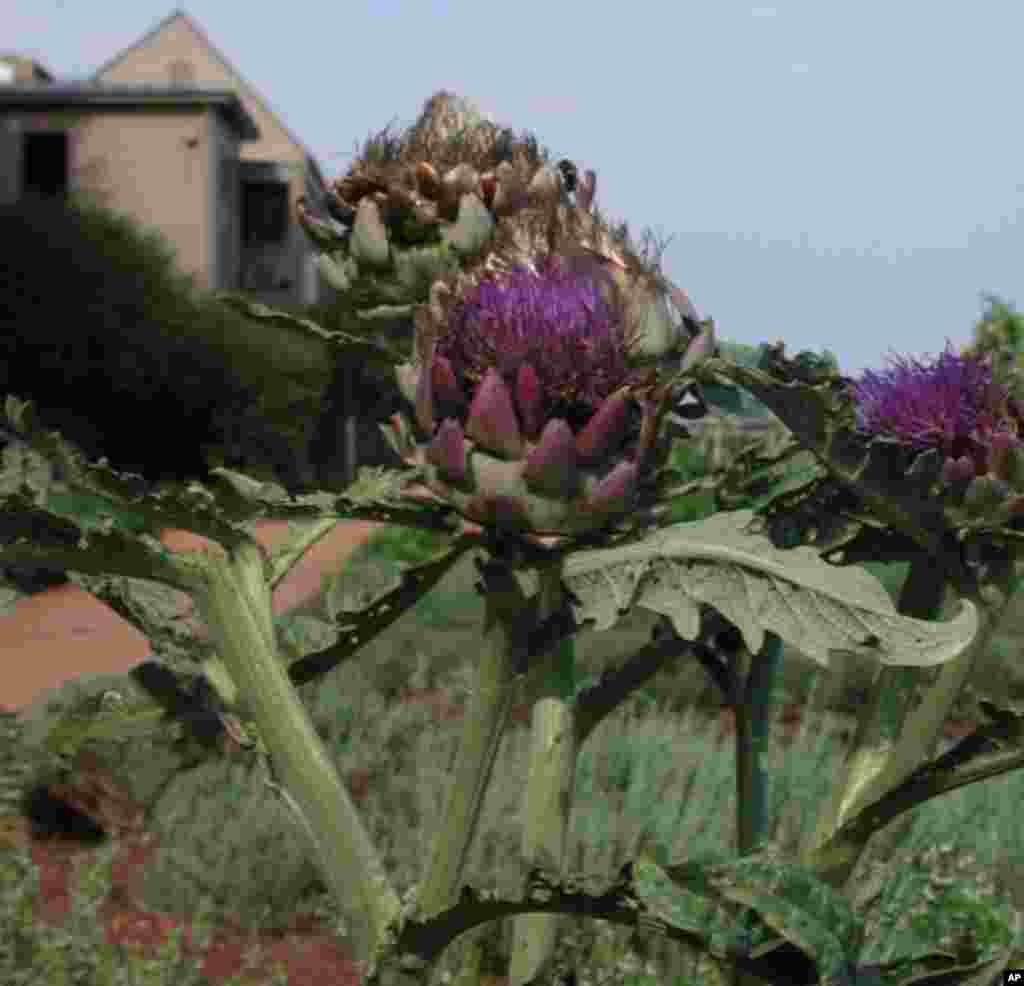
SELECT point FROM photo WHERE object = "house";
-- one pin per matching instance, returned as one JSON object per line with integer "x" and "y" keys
{"x": 169, "y": 132}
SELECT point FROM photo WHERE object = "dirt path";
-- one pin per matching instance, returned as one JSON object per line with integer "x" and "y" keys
{"x": 65, "y": 631}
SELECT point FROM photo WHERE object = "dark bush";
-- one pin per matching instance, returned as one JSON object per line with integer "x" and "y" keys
{"x": 367, "y": 392}
{"x": 114, "y": 346}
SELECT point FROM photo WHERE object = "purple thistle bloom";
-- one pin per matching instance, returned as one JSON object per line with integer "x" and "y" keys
{"x": 532, "y": 414}
{"x": 555, "y": 320}
{"x": 952, "y": 404}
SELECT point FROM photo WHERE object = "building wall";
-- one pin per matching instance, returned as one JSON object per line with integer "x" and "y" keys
{"x": 176, "y": 54}
{"x": 157, "y": 167}
{"x": 170, "y": 169}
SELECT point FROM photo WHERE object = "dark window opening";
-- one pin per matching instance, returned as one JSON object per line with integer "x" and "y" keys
{"x": 46, "y": 165}
{"x": 264, "y": 212}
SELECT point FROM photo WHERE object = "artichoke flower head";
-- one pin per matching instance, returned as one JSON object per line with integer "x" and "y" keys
{"x": 530, "y": 413}
{"x": 969, "y": 414}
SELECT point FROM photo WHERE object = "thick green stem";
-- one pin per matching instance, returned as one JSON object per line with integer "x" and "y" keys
{"x": 900, "y": 727}
{"x": 752, "y": 699}
{"x": 886, "y": 708}
{"x": 753, "y": 712}
{"x": 483, "y": 724}
{"x": 234, "y": 599}
{"x": 549, "y": 788}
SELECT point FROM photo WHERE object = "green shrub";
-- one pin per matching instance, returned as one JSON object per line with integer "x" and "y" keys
{"x": 101, "y": 331}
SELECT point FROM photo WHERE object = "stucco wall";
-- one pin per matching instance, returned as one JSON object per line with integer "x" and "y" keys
{"x": 171, "y": 169}
{"x": 156, "y": 166}
{"x": 151, "y": 63}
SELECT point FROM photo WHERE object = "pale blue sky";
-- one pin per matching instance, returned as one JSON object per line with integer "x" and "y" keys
{"x": 840, "y": 175}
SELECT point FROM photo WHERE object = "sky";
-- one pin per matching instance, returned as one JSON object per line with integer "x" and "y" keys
{"x": 843, "y": 176}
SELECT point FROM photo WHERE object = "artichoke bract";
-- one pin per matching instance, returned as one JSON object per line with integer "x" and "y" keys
{"x": 530, "y": 414}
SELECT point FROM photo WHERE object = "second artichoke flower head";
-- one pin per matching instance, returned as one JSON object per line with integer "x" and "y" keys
{"x": 963, "y": 412}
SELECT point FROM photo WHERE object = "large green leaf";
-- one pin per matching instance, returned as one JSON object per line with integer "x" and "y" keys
{"x": 937, "y": 970}
{"x": 360, "y": 348}
{"x": 111, "y": 718}
{"x": 938, "y": 913}
{"x": 786, "y": 899}
{"x": 687, "y": 900}
{"x": 820, "y": 609}
{"x": 804, "y": 910}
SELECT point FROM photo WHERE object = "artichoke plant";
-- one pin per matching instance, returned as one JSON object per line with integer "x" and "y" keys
{"x": 548, "y": 358}
{"x": 933, "y": 449}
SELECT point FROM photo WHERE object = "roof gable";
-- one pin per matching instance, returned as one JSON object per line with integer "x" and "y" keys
{"x": 179, "y": 20}
{"x": 60, "y": 95}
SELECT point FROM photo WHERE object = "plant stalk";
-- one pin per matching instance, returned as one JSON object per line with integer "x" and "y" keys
{"x": 753, "y": 693}
{"x": 549, "y": 789}
{"x": 483, "y": 724}
{"x": 753, "y": 712}
{"x": 234, "y": 599}
{"x": 900, "y": 726}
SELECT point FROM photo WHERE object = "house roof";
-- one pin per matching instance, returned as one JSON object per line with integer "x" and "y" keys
{"x": 217, "y": 53}
{"x": 57, "y": 96}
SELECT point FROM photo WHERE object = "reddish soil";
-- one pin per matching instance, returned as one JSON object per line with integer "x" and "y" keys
{"x": 305, "y": 948}
{"x": 308, "y": 951}
{"x": 63, "y": 632}
{"x": 790, "y": 723}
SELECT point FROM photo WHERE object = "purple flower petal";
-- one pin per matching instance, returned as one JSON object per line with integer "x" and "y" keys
{"x": 448, "y": 396}
{"x": 447, "y": 451}
{"x": 938, "y": 405}
{"x": 605, "y": 430}
{"x": 958, "y": 470}
{"x": 551, "y": 465}
{"x": 492, "y": 418}
{"x": 559, "y": 319}
{"x": 529, "y": 400}
{"x": 615, "y": 493}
